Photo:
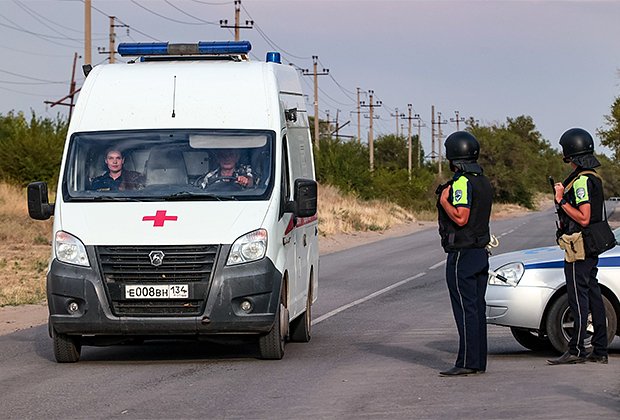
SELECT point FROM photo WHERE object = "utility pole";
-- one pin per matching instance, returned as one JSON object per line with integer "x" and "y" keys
{"x": 315, "y": 73}
{"x": 433, "y": 154}
{"x": 72, "y": 91}
{"x": 439, "y": 123}
{"x": 236, "y": 26}
{"x": 396, "y": 114}
{"x": 87, "y": 32}
{"x": 457, "y": 120}
{"x": 419, "y": 125}
{"x": 409, "y": 148}
{"x": 371, "y": 107}
{"x": 359, "y": 123}
{"x": 112, "y": 44}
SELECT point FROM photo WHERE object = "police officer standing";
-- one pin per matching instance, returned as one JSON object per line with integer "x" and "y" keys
{"x": 581, "y": 205}
{"x": 464, "y": 207}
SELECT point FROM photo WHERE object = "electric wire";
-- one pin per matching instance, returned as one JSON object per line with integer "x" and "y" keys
{"x": 187, "y": 14}
{"x": 165, "y": 17}
{"x": 30, "y": 78}
{"x": 124, "y": 23}
{"x": 269, "y": 40}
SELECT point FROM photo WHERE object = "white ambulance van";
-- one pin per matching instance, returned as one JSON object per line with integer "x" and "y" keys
{"x": 186, "y": 203}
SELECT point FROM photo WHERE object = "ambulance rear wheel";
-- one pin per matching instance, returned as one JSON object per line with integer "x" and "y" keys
{"x": 302, "y": 325}
{"x": 271, "y": 345}
{"x": 66, "y": 348}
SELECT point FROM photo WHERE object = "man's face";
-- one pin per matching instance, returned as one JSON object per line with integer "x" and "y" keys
{"x": 115, "y": 161}
{"x": 228, "y": 158}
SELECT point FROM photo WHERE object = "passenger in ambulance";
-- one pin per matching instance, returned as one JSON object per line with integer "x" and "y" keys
{"x": 228, "y": 171}
{"x": 116, "y": 178}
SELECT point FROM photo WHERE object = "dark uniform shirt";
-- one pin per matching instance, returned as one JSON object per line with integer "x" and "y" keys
{"x": 587, "y": 188}
{"x": 473, "y": 191}
{"x": 129, "y": 180}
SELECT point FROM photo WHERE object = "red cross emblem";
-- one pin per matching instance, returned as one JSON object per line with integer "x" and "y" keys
{"x": 159, "y": 218}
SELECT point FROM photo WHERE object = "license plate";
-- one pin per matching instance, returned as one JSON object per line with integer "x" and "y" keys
{"x": 157, "y": 291}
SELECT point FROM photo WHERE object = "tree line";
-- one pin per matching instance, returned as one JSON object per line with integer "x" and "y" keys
{"x": 514, "y": 155}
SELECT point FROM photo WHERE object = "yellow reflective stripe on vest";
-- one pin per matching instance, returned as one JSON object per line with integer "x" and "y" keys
{"x": 459, "y": 192}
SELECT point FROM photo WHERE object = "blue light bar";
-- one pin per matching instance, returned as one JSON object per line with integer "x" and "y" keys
{"x": 273, "y": 57}
{"x": 201, "y": 48}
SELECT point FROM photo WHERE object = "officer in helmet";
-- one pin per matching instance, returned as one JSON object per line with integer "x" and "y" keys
{"x": 464, "y": 207}
{"x": 581, "y": 202}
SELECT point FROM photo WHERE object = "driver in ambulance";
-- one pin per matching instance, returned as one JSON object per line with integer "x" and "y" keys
{"x": 228, "y": 170}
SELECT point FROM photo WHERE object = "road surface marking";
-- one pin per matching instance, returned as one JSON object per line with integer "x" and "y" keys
{"x": 439, "y": 264}
{"x": 365, "y": 299}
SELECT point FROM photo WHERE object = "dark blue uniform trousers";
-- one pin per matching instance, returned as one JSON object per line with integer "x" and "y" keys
{"x": 584, "y": 295}
{"x": 467, "y": 273}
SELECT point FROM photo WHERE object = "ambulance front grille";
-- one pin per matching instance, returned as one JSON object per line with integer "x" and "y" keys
{"x": 132, "y": 265}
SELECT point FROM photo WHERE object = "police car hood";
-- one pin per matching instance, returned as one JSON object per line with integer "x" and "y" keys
{"x": 545, "y": 257}
{"x": 162, "y": 223}
{"x": 528, "y": 256}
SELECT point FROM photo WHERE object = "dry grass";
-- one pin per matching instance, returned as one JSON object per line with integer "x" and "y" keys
{"x": 24, "y": 250}
{"x": 339, "y": 213}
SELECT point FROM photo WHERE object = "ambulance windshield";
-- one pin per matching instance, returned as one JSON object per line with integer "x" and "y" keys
{"x": 170, "y": 165}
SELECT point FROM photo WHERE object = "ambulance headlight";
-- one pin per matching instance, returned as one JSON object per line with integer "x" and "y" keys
{"x": 250, "y": 247}
{"x": 70, "y": 249}
{"x": 507, "y": 275}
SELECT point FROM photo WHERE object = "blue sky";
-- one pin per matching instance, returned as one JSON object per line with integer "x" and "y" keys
{"x": 556, "y": 61}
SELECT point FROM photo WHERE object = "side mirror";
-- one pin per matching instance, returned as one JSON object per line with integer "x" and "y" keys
{"x": 305, "y": 194}
{"x": 39, "y": 207}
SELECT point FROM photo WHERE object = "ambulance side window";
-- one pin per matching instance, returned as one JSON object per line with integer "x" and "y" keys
{"x": 285, "y": 193}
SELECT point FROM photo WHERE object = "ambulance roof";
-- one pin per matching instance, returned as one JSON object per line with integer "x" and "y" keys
{"x": 184, "y": 93}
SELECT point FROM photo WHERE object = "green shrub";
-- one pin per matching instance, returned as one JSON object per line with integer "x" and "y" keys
{"x": 31, "y": 150}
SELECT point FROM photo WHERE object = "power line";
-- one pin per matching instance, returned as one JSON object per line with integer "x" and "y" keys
{"x": 164, "y": 17}
{"x": 22, "y": 92}
{"x": 34, "y": 53}
{"x": 187, "y": 14}
{"x": 29, "y": 78}
{"x": 124, "y": 23}
{"x": 210, "y": 3}
{"x": 269, "y": 40}
{"x": 21, "y": 4}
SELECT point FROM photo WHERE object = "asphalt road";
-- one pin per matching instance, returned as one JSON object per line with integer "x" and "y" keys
{"x": 382, "y": 330}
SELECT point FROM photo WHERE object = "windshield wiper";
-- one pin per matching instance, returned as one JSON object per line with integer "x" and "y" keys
{"x": 186, "y": 195}
{"x": 105, "y": 198}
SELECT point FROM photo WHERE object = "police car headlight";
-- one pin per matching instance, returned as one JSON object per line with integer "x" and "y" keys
{"x": 507, "y": 275}
{"x": 250, "y": 247}
{"x": 70, "y": 249}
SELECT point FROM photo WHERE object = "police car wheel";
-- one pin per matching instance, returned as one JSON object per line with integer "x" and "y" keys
{"x": 66, "y": 348}
{"x": 530, "y": 339}
{"x": 560, "y": 324}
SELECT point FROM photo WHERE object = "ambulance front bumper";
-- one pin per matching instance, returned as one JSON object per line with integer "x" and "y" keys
{"x": 80, "y": 304}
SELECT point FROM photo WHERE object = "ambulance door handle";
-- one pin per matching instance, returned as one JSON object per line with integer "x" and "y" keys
{"x": 305, "y": 241}
{"x": 286, "y": 240}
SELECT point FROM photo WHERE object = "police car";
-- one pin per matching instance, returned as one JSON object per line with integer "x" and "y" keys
{"x": 527, "y": 292}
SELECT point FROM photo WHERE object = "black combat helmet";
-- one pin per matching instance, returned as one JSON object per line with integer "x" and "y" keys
{"x": 462, "y": 146}
{"x": 578, "y": 147}
{"x": 575, "y": 142}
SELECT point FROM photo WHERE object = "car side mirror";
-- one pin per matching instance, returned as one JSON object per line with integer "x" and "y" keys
{"x": 305, "y": 195}
{"x": 39, "y": 207}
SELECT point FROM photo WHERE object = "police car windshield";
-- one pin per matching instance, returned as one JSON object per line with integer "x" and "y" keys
{"x": 154, "y": 165}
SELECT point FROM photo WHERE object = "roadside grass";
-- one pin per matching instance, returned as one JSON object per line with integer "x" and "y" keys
{"x": 339, "y": 213}
{"x": 24, "y": 250}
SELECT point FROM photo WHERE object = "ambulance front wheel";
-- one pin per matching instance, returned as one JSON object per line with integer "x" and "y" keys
{"x": 271, "y": 345}
{"x": 66, "y": 348}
